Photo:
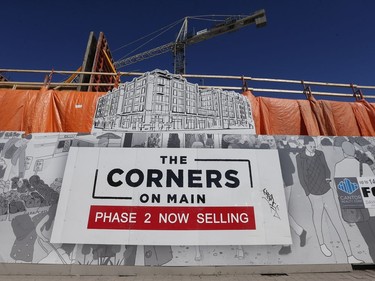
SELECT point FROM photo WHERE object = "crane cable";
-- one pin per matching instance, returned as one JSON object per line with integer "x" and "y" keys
{"x": 163, "y": 30}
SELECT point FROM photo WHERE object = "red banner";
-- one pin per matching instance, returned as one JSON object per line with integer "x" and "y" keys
{"x": 171, "y": 218}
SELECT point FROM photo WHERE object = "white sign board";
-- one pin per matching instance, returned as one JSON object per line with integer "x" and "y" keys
{"x": 356, "y": 192}
{"x": 140, "y": 196}
{"x": 367, "y": 186}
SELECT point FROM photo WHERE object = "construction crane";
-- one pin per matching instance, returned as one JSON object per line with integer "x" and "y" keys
{"x": 178, "y": 47}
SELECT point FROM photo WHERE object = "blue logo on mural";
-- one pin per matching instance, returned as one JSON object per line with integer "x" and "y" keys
{"x": 347, "y": 186}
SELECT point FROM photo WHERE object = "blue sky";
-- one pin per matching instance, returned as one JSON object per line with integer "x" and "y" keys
{"x": 328, "y": 41}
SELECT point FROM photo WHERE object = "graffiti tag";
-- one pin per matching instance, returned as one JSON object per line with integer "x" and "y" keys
{"x": 271, "y": 202}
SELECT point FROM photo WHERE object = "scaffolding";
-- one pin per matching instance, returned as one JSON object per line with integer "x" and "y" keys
{"x": 299, "y": 88}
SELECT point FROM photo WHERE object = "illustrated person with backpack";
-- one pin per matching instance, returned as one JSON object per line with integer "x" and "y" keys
{"x": 351, "y": 166}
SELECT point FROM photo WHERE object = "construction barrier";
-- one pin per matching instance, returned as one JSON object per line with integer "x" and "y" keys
{"x": 46, "y": 110}
{"x": 328, "y": 204}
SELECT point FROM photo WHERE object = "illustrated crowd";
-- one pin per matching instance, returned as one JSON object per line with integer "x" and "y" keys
{"x": 321, "y": 226}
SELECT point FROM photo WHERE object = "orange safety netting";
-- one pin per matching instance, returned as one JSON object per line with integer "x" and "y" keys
{"x": 45, "y": 110}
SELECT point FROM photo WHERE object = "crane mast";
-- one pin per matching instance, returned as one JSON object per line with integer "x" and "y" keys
{"x": 178, "y": 47}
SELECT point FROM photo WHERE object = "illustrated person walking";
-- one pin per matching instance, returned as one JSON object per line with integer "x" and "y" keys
{"x": 287, "y": 171}
{"x": 315, "y": 178}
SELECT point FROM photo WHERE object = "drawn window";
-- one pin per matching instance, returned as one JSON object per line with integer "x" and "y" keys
{"x": 161, "y": 81}
{"x": 159, "y": 89}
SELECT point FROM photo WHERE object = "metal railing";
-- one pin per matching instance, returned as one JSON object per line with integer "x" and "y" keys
{"x": 305, "y": 86}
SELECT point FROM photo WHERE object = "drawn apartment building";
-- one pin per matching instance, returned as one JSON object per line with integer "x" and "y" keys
{"x": 161, "y": 101}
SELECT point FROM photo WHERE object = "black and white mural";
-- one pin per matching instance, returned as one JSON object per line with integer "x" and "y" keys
{"x": 162, "y": 101}
{"x": 328, "y": 184}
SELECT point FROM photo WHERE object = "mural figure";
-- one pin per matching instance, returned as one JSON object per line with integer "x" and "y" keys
{"x": 24, "y": 231}
{"x": 154, "y": 140}
{"x": 14, "y": 156}
{"x": 287, "y": 171}
{"x": 3, "y": 167}
{"x": 198, "y": 254}
{"x": 236, "y": 141}
{"x": 173, "y": 140}
{"x": 198, "y": 142}
{"x": 55, "y": 253}
{"x": 350, "y": 166}
{"x": 209, "y": 141}
{"x": 32, "y": 206}
{"x": 315, "y": 178}
{"x": 194, "y": 141}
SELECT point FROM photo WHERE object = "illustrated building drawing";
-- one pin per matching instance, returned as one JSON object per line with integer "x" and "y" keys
{"x": 161, "y": 101}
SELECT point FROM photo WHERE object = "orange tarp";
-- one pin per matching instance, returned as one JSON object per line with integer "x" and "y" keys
{"x": 35, "y": 111}
{"x": 43, "y": 110}
{"x": 312, "y": 117}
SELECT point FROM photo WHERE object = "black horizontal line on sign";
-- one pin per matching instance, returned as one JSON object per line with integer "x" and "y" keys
{"x": 105, "y": 197}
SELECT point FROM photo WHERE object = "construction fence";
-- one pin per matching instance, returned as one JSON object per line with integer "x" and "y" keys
{"x": 46, "y": 110}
